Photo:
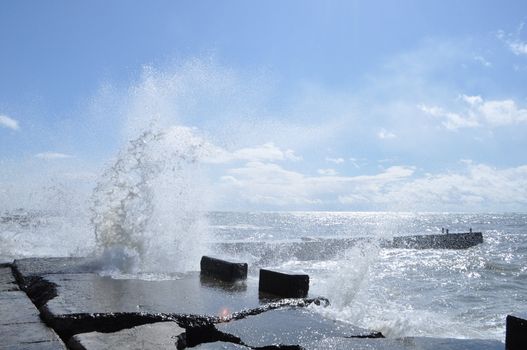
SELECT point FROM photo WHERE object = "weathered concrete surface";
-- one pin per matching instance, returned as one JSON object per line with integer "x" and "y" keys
{"x": 20, "y": 324}
{"x": 27, "y": 269}
{"x": 19, "y": 336}
{"x": 17, "y": 308}
{"x": 289, "y": 327}
{"x": 516, "y": 331}
{"x": 283, "y": 284}
{"x": 411, "y": 343}
{"x": 88, "y": 302}
{"x": 162, "y": 336}
{"x": 7, "y": 280}
{"x": 223, "y": 269}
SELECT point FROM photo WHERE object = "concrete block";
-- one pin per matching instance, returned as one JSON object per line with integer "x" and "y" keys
{"x": 283, "y": 284}
{"x": 516, "y": 332}
{"x": 222, "y": 269}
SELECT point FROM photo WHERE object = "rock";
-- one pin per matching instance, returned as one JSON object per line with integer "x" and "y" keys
{"x": 289, "y": 327}
{"x": 411, "y": 343}
{"x": 516, "y": 332}
{"x": 222, "y": 269}
{"x": 283, "y": 284}
{"x": 164, "y": 335}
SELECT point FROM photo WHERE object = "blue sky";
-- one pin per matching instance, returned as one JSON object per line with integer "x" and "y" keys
{"x": 303, "y": 105}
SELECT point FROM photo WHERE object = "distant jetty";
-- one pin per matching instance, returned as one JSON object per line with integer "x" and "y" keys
{"x": 315, "y": 248}
{"x": 461, "y": 240}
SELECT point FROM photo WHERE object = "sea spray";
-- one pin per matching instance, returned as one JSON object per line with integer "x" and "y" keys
{"x": 149, "y": 207}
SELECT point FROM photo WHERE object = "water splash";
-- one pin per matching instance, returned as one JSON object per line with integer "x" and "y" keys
{"x": 149, "y": 207}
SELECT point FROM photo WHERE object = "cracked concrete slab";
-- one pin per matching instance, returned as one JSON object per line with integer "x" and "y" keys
{"x": 289, "y": 327}
{"x": 410, "y": 343}
{"x": 155, "y": 336}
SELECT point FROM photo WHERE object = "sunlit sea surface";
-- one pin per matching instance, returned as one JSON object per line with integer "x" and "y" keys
{"x": 400, "y": 292}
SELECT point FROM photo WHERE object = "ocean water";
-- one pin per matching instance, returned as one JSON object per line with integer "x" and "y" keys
{"x": 401, "y": 292}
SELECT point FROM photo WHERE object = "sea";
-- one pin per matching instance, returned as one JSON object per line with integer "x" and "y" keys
{"x": 400, "y": 292}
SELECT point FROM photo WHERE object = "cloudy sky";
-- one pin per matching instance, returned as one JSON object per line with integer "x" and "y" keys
{"x": 303, "y": 105}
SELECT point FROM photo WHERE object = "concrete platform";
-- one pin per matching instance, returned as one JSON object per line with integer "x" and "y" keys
{"x": 289, "y": 327}
{"x": 411, "y": 343}
{"x": 20, "y": 324}
{"x": 156, "y": 336}
{"x": 95, "y": 312}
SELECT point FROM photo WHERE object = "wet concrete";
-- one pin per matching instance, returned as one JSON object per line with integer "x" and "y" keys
{"x": 20, "y": 324}
{"x": 290, "y": 327}
{"x": 28, "y": 269}
{"x": 162, "y": 336}
{"x": 90, "y": 311}
{"x": 411, "y": 343}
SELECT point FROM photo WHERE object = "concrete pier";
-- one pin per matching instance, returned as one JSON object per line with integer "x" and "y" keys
{"x": 93, "y": 312}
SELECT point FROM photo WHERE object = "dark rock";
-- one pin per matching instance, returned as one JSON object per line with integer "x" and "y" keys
{"x": 516, "y": 332}
{"x": 289, "y": 327}
{"x": 412, "y": 343}
{"x": 165, "y": 335}
{"x": 222, "y": 269}
{"x": 283, "y": 284}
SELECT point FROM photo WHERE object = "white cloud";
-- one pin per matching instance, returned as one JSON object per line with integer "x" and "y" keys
{"x": 327, "y": 172}
{"x": 335, "y": 160}
{"x": 513, "y": 41}
{"x": 266, "y": 152}
{"x": 9, "y": 123}
{"x": 270, "y": 184}
{"x": 482, "y": 60}
{"x": 52, "y": 155}
{"x": 384, "y": 134}
{"x": 478, "y": 188}
{"x": 475, "y": 187}
{"x": 478, "y": 112}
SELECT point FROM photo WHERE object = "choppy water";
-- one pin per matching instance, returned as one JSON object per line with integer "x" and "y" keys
{"x": 445, "y": 293}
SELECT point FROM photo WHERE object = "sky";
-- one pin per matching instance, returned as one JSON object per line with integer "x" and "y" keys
{"x": 301, "y": 105}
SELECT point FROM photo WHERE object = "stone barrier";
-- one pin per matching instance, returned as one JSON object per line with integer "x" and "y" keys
{"x": 283, "y": 284}
{"x": 516, "y": 332}
{"x": 222, "y": 269}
